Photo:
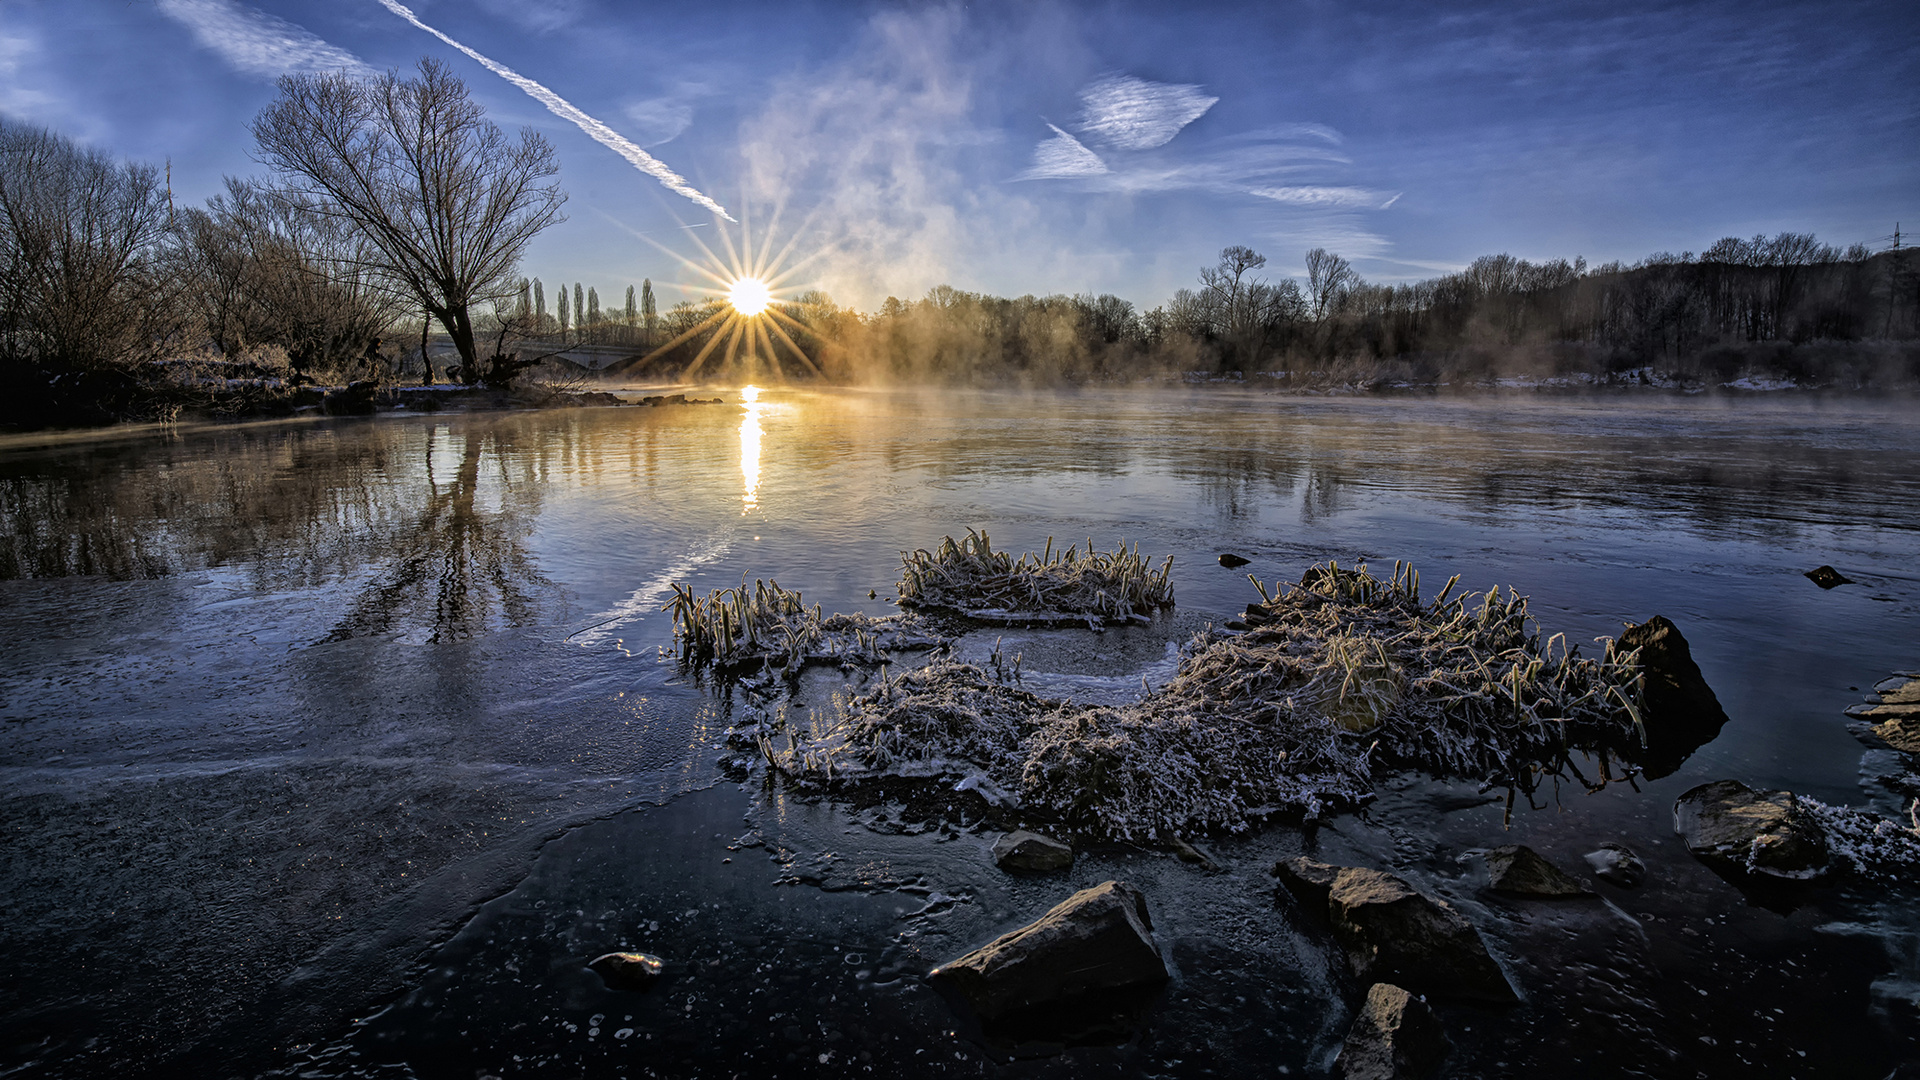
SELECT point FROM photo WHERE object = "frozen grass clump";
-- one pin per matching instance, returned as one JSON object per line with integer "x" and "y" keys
{"x": 1288, "y": 716}
{"x": 1870, "y": 844}
{"x": 746, "y": 628}
{"x": 1069, "y": 586}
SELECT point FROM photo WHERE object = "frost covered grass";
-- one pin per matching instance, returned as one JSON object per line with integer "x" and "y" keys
{"x": 1289, "y": 715}
{"x": 746, "y": 628}
{"x": 1067, "y": 586}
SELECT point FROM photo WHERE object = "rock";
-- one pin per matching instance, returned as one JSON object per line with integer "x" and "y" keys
{"x": 1678, "y": 708}
{"x": 1098, "y": 939}
{"x": 1616, "y": 864}
{"x": 1393, "y": 933}
{"x": 1827, "y": 577}
{"x": 1520, "y": 871}
{"x": 1395, "y": 1037}
{"x": 1189, "y": 852}
{"x": 1894, "y": 709}
{"x": 1308, "y": 881}
{"x": 1755, "y": 832}
{"x": 1022, "y": 850}
{"x": 1232, "y": 561}
{"x": 627, "y": 970}
{"x": 355, "y": 400}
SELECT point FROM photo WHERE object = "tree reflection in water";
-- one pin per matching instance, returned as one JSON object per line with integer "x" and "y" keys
{"x": 459, "y": 565}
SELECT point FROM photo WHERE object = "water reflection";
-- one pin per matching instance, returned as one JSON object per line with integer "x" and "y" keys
{"x": 750, "y": 447}
{"x": 461, "y": 561}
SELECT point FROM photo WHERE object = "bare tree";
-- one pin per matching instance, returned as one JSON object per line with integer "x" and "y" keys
{"x": 1241, "y": 309}
{"x": 447, "y": 201}
{"x": 80, "y": 285}
{"x": 259, "y": 268}
{"x": 1328, "y": 275}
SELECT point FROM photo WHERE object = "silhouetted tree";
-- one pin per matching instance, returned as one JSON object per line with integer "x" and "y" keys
{"x": 448, "y": 201}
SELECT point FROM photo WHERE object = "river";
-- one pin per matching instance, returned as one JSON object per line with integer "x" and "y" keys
{"x": 336, "y": 746}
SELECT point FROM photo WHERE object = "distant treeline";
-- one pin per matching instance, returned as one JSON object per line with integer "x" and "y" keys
{"x": 1785, "y": 309}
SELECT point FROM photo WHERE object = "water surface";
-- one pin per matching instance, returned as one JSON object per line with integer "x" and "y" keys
{"x": 284, "y": 704}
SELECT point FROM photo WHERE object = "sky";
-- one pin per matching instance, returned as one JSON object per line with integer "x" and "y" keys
{"x": 1059, "y": 147}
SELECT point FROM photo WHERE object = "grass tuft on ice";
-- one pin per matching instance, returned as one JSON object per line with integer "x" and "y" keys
{"x": 1067, "y": 586}
{"x": 1326, "y": 678}
{"x": 744, "y": 628}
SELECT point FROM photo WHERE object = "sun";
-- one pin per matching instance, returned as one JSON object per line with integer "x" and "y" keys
{"x": 752, "y": 312}
{"x": 749, "y": 296}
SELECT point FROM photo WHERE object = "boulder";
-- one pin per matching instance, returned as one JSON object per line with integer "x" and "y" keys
{"x": 1518, "y": 870}
{"x": 627, "y": 970}
{"x": 1678, "y": 708}
{"x": 1395, "y": 1037}
{"x": 1615, "y": 863}
{"x": 1031, "y": 852}
{"x": 1900, "y": 732}
{"x": 1755, "y": 832}
{"x": 1308, "y": 881}
{"x": 1894, "y": 710}
{"x": 1827, "y": 577}
{"x": 1097, "y": 940}
{"x": 1392, "y": 932}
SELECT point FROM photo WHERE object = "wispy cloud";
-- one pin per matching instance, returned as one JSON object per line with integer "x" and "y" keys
{"x": 1061, "y": 157}
{"x": 658, "y": 120}
{"x": 1128, "y": 113}
{"x": 566, "y": 110}
{"x": 256, "y": 43}
{"x": 1329, "y": 198}
{"x": 539, "y": 16}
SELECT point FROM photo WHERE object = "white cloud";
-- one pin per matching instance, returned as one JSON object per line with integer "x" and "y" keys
{"x": 1062, "y": 157}
{"x": 1126, "y": 113}
{"x": 257, "y": 43}
{"x": 658, "y": 120}
{"x": 540, "y": 16}
{"x": 1328, "y": 198}
{"x": 21, "y": 95}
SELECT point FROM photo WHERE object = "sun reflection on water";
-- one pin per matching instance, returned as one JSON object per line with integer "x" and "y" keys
{"x": 750, "y": 447}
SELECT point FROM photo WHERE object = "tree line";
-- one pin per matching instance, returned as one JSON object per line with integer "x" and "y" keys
{"x": 389, "y": 202}
{"x": 1785, "y": 307}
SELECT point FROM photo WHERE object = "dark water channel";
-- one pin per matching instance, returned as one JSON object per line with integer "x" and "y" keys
{"x": 337, "y": 747}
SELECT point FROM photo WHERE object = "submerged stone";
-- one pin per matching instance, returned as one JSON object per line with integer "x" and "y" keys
{"x": 1031, "y": 852}
{"x": 1617, "y": 864}
{"x": 1678, "y": 708}
{"x": 1395, "y": 1037}
{"x": 627, "y": 970}
{"x": 1755, "y": 832}
{"x": 1394, "y": 933}
{"x": 1518, "y": 870}
{"x": 1308, "y": 881}
{"x": 1232, "y": 561}
{"x": 1827, "y": 577}
{"x": 1098, "y": 940}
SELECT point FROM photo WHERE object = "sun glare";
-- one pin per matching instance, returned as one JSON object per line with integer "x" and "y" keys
{"x": 749, "y": 296}
{"x": 752, "y": 314}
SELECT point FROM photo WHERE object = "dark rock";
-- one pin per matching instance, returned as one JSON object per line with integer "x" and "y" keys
{"x": 1232, "y": 561}
{"x": 1395, "y": 1037}
{"x": 1022, "y": 850}
{"x": 1827, "y": 577}
{"x": 1520, "y": 871}
{"x": 1308, "y": 881}
{"x": 1755, "y": 832}
{"x": 1189, "y": 852}
{"x": 1097, "y": 940}
{"x": 1616, "y": 864}
{"x": 1678, "y": 708}
{"x": 627, "y": 970}
{"x": 355, "y": 400}
{"x": 1394, "y": 933}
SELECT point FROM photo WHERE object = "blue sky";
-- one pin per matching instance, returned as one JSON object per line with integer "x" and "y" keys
{"x": 1075, "y": 147}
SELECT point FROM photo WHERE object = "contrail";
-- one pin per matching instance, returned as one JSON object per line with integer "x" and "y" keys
{"x": 565, "y": 110}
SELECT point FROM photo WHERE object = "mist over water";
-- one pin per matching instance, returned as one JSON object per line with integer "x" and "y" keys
{"x": 285, "y": 703}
